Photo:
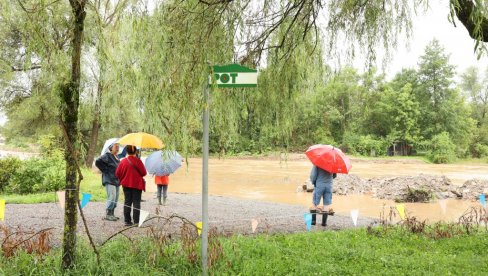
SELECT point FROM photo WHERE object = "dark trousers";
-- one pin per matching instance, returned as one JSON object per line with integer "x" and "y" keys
{"x": 132, "y": 199}
{"x": 163, "y": 189}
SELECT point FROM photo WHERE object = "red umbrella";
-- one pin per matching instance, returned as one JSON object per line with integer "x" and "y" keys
{"x": 329, "y": 158}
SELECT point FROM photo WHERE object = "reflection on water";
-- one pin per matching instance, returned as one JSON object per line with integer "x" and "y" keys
{"x": 275, "y": 181}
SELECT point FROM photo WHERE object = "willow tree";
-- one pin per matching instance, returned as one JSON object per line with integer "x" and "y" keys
{"x": 164, "y": 64}
{"x": 100, "y": 38}
{"x": 286, "y": 90}
{"x": 161, "y": 66}
{"x": 34, "y": 40}
{"x": 39, "y": 34}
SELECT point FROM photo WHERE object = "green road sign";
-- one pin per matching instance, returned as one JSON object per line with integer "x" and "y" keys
{"x": 234, "y": 75}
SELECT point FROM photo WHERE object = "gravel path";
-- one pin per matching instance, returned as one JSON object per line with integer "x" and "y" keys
{"x": 228, "y": 215}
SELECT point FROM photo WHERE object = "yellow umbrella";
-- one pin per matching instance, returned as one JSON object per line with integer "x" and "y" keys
{"x": 142, "y": 140}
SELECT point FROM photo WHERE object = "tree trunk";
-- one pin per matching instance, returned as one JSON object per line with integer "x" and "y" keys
{"x": 477, "y": 27}
{"x": 95, "y": 128}
{"x": 69, "y": 111}
{"x": 90, "y": 156}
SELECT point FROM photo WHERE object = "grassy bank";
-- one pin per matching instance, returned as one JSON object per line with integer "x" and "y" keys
{"x": 91, "y": 183}
{"x": 321, "y": 253}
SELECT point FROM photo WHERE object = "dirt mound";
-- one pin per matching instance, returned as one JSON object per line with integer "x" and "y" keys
{"x": 349, "y": 184}
{"x": 421, "y": 188}
{"x": 390, "y": 160}
{"x": 471, "y": 189}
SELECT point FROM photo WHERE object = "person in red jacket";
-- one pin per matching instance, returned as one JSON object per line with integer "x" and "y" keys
{"x": 131, "y": 172}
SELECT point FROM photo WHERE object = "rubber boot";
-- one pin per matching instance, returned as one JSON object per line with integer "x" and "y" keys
{"x": 159, "y": 200}
{"x": 107, "y": 215}
{"x": 324, "y": 219}
{"x": 164, "y": 201}
{"x": 112, "y": 212}
{"x": 110, "y": 216}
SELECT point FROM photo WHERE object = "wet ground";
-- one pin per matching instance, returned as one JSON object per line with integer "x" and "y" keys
{"x": 247, "y": 189}
{"x": 272, "y": 180}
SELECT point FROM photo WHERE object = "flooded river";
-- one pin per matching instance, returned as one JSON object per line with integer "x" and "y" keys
{"x": 275, "y": 181}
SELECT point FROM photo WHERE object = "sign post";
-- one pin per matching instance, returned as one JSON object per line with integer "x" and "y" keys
{"x": 227, "y": 76}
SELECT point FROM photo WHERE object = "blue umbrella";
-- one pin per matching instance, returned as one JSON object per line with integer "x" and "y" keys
{"x": 163, "y": 162}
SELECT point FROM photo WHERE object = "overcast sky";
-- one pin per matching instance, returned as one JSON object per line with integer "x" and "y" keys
{"x": 434, "y": 24}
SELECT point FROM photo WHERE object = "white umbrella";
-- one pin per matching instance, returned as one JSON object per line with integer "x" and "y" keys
{"x": 108, "y": 143}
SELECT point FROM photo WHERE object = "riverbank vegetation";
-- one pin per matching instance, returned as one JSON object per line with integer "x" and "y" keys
{"x": 356, "y": 251}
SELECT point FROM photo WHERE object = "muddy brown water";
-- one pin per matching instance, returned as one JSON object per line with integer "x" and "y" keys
{"x": 277, "y": 181}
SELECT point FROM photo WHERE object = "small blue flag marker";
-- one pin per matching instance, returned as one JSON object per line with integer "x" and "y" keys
{"x": 308, "y": 221}
{"x": 85, "y": 199}
{"x": 483, "y": 200}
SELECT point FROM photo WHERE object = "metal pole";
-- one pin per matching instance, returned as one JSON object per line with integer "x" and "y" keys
{"x": 205, "y": 180}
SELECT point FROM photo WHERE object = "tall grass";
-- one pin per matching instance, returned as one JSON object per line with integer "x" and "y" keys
{"x": 351, "y": 252}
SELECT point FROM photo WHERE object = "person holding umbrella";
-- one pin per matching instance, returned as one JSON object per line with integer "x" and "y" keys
{"x": 107, "y": 164}
{"x": 327, "y": 161}
{"x": 162, "y": 164}
{"x": 322, "y": 181}
{"x": 162, "y": 182}
{"x": 131, "y": 172}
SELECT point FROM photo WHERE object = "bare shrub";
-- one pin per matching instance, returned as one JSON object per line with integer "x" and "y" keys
{"x": 20, "y": 239}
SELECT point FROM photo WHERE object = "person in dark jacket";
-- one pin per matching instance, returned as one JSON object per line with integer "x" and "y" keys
{"x": 322, "y": 181}
{"x": 131, "y": 172}
{"x": 107, "y": 164}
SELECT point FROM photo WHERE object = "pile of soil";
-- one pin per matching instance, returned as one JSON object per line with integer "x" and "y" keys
{"x": 349, "y": 184}
{"x": 471, "y": 189}
{"x": 421, "y": 188}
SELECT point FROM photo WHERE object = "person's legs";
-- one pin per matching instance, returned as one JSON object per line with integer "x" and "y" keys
{"x": 117, "y": 192}
{"x": 160, "y": 187}
{"x": 136, "y": 199}
{"x": 317, "y": 194}
{"x": 165, "y": 193}
{"x": 327, "y": 197}
{"x": 111, "y": 194}
{"x": 127, "y": 205}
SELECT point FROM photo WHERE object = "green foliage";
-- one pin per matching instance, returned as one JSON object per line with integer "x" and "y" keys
{"x": 91, "y": 184}
{"x": 366, "y": 145}
{"x": 39, "y": 53}
{"x": 145, "y": 71}
{"x": 443, "y": 149}
{"x": 441, "y": 106}
{"x": 481, "y": 151}
{"x": 51, "y": 147}
{"x": 38, "y": 175}
{"x": 371, "y": 146}
{"x": 27, "y": 176}
{"x": 349, "y": 252}
{"x": 8, "y": 168}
